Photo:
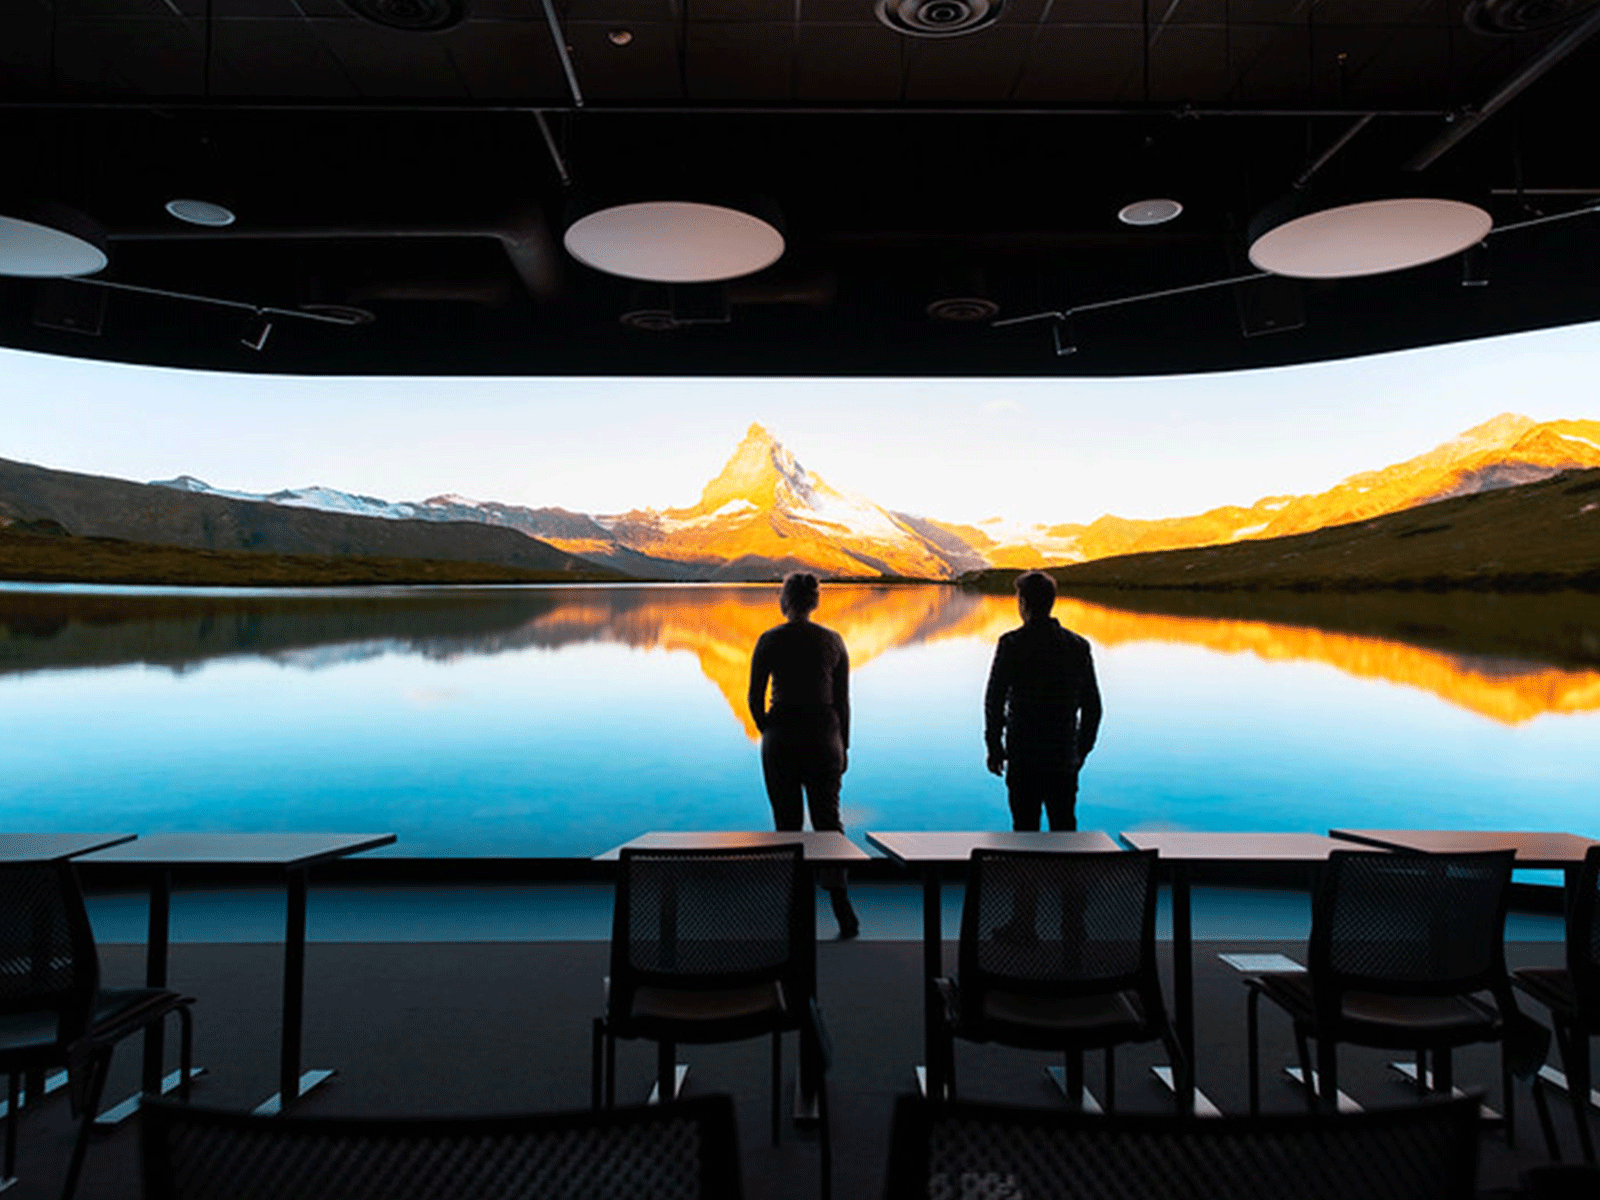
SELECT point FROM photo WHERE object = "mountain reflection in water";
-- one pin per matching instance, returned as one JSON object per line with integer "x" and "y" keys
{"x": 1455, "y": 655}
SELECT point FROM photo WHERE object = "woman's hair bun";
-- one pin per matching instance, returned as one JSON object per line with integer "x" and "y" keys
{"x": 800, "y": 591}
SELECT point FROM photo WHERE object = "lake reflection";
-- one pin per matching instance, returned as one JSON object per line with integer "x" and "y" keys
{"x": 563, "y": 720}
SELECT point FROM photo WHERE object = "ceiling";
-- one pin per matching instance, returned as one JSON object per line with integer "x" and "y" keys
{"x": 422, "y": 178}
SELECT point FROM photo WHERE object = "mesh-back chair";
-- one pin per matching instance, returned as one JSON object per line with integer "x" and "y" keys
{"x": 983, "y": 1151}
{"x": 1404, "y": 948}
{"x": 1058, "y": 952}
{"x": 1572, "y": 993}
{"x": 682, "y": 1151}
{"x": 707, "y": 946}
{"x": 53, "y": 1011}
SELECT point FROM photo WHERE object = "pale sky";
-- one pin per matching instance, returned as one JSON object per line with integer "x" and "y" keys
{"x": 961, "y": 450}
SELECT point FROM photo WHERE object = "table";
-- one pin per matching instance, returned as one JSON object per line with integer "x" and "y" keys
{"x": 1180, "y": 852}
{"x": 36, "y": 847}
{"x": 294, "y": 853}
{"x": 1537, "y": 851}
{"x": 925, "y": 853}
{"x": 826, "y": 848}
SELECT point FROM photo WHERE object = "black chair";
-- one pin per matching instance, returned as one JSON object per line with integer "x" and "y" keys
{"x": 1403, "y": 949}
{"x": 53, "y": 1011}
{"x": 1416, "y": 1152}
{"x": 1058, "y": 953}
{"x": 1572, "y": 993}
{"x": 682, "y": 1151}
{"x": 708, "y": 946}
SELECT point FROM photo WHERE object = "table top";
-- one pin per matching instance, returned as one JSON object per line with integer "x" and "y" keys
{"x": 32, "y": 847}
{"x": 947, "y": 846}
{"x": 1533, "y": 849}
{"x": 240, "y": 849}
{"x": 1183, "y": 845}
{"x": 827, "y": 846}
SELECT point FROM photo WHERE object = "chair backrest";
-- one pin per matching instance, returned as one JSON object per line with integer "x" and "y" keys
{"x": 47, "y": 952}
{"x": 1419, "y": 924}
{"x": 1583, "y": 936}
{"x": 710, "y": 918}
{"x": 686, "y": 1150}
{"x": 1413, "y": 1152}
{"x": 1061, "y": 923}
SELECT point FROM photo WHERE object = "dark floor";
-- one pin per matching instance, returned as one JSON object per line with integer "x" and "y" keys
{"x": 502, "y": 1026}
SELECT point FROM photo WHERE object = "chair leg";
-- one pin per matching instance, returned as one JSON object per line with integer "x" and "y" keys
{"x": 777, "y": 1087}
{"x": 1183, "y": 1081}
{"x": 1444, "y": 1072}
{"x": 1307, "y": 1072}
{"x": 1252, "y": 1025}
{"x": 1424, "y": 1078}
{"x": 1508, "y": 1097}
{"x": 1578, "y": 1084}
{"x": 13, "y": 1097}
{"x": 1111, "y": 1079}
{"x": 597, "y": 1053}
{"x": 185, "y": 1051}
{"x": 825, "y": 1135}
{"x": 97, "y": 1086}
{"x": 611, "y": 1069}
{"x": 1074, "y": 1074}
{"x": 666, "y": 1072}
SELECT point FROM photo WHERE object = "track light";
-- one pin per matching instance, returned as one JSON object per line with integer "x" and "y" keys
{"x": 256, "y": 332}
{"x": 1475, "y": 265}
{"x": 1065, "y": 338}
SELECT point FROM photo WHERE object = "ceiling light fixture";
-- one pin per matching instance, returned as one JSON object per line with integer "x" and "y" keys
{"x": 619, "y": 37}
{"x": 45, "y": 240}
{"x": 674, "y": 241}
{"x": 1149, "y": 212}
{"x": 938, "y": 18}
{"x": 201, "y": 212}
{"x": 1371, "y": 237}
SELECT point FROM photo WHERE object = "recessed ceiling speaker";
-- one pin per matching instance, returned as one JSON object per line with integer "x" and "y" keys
{"x": 674, "y": 241}
{"x": 414, "y": 16}
{"x": 651, "y": 320}
{"x": 1149, "y": 212}
{"x": 1504, "y": 17}
{"x": 938, "y": 18}
{"x": 1371, "y": 237}
{"x": 963, "y": 309}
{"x": 46, "y": 240}
{"x": 201, "y": 212}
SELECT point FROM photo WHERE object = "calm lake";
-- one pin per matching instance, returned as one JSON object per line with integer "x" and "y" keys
{"x": 563, "y": 720}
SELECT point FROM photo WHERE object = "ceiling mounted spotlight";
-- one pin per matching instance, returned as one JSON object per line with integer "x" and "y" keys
{"x": 619, "y": 37}
{"x": 1475, "y": 265}
{"x": 201, "y": 212}
{"x": 1149, "y": 212}
{"x": 1509, "y": 17}
{"x": 938, "y": 18}
{"x": 674, "y": 241}
{"x": 965, "y": 309}
{"x": 1371, "y": 237}
{"x": 1066, "y": 338}
{"x": 414, "y": 16}
{"x": 256, "y": 332}
{"x": 45, "y": 240}
{"x": 651, "y": 320}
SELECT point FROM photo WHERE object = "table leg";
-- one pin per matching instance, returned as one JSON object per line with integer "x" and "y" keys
{"x": 932, "y": 968}
{"x": 805, "y": 1099}
{"x": 1183, "y": 971}
{"x": 157, "y": 942}
{"x": 294, "y": 979}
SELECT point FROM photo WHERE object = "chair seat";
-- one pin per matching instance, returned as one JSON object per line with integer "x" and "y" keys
{"x": 1110, "y": 1012}
{"x": 713, "y": 1005}
{"x": 37, "y": 1031}
{"x": 1381, "y": 1018}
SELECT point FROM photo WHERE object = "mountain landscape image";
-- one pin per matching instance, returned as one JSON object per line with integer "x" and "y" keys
{"x": 766, "y": 513}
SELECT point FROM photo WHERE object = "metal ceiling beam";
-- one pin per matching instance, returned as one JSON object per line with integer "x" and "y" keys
{"x": 1466, "y": 122}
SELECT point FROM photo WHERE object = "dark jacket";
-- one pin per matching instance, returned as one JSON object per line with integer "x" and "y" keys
{"x": 1042, "y": 705}
{"x": 810, "y": 674}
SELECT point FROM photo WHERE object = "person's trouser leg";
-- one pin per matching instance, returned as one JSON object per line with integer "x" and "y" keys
{"x": 1061, "y": 802}
{"x": 783, "y": 784}
{"x": 1026, "y": 804}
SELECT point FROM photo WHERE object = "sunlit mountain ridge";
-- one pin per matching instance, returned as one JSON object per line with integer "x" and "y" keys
{"x": 765, "y": 513}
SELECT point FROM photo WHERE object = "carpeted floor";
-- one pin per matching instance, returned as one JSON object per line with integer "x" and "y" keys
{"x": 504, "y": 1026}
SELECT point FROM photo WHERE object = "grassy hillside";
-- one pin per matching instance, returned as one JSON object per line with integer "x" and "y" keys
{"x": 45, "y": 558}
{"x": 1536, "y": 537}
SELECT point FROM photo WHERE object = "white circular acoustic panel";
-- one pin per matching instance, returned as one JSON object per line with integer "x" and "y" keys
{"x": 48, "y": 251}
{"x": 1369, "y": 238}
{"x": 674, "y": 241}
{"x": 201, "y": 212}
{"x": 1149, "y": 212}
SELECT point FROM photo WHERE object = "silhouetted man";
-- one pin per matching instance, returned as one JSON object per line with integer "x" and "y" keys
{"x": 1041, "y": 711}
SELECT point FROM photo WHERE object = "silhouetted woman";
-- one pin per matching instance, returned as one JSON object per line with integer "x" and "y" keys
{"x": 805, "y": 733}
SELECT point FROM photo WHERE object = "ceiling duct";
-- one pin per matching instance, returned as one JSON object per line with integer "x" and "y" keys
{"x": 1507, "y": 17}
{"x": 414, "y": 16}
{"x": 938, "y": 18}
